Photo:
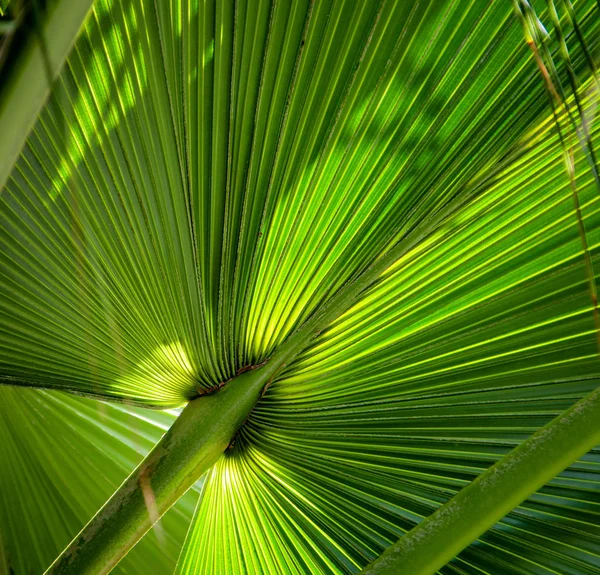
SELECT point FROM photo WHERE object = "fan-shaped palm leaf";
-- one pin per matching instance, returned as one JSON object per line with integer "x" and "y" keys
{"x": 381, "y": 218}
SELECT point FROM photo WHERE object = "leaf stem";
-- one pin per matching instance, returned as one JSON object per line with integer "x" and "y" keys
{"x": 27, "y": 84}
{"x": 477, "y": 507}
{"x": 190, "y": 447}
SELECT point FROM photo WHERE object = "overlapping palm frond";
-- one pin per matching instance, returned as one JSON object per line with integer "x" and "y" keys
{"x": 62, "y": 456}
{"x": 207, "y": 176}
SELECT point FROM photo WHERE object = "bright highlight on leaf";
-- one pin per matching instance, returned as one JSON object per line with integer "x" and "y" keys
{"x": 207, "y": 177}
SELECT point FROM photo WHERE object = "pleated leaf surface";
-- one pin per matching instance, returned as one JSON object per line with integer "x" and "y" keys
{"x": 205, "y": 176}
{"x": 61, "y": 458}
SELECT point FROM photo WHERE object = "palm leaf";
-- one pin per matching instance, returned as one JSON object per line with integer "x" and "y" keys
{"x": 62, "y": 456}
{"x": 208, "y": 181}
{"x": 29, "y": 64}
{"x": 464, "y": 349}
{"x": 90, "y": 233}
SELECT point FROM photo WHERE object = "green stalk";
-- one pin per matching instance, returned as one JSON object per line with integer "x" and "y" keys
{"x": 476, "y": 508}
{"x": 190, "y": 447}
{"x": 28, "y": 82}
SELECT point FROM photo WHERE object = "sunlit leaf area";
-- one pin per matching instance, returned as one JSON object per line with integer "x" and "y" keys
{"x": 205, "y": 178}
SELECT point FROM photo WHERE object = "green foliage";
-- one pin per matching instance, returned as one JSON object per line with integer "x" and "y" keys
{"x": 62, "y": 456}
{"x": 27, "y": 72}
{"x": 383, "y": 185}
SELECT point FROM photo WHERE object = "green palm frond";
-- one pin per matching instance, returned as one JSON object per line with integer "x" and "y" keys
{"x": 464, "y": 349}
{"x": 273, "y": 509}
{"x": 389, "y": 212}
{"x": 31, "y": 56}
{"x": 62, "y": 456}
{"x": 325, "y": 175}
